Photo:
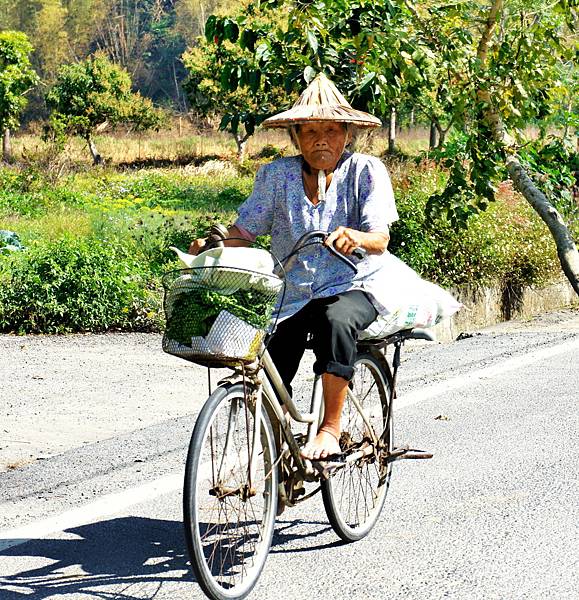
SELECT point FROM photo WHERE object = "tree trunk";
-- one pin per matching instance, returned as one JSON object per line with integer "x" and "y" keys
{"x": 241, "y": 142}
{"x": 96, "y": 157}
{"x": 569, "y": 108}
{"x": 433, "y": 140}
{"x": 392, "y": 132}
{"x": 6, "y": 146}
{"x": 411, "y": 119}
{"x": 440, "y": 135}
{"x": 566, "y": 248}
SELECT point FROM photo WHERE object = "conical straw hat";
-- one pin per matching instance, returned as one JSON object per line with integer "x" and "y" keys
{"x": 321, "y": 101}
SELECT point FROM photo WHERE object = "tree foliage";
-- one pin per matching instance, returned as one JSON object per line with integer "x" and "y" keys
{"x": 388, "y": 52}
{"x": 481, "y": 72}
{"x": 146, "y": 37}
{"x": 94, "y": 94}
{"x": 16, "y": 76}
{"x": 224, "y": 77}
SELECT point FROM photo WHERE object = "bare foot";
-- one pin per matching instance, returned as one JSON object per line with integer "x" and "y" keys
{"x": 323, "y": 445}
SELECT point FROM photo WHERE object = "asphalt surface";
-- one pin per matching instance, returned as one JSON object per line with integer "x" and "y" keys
{"x": 493, "y": 516}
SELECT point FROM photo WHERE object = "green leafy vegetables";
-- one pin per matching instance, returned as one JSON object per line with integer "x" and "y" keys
{"x": 193, "y": 311}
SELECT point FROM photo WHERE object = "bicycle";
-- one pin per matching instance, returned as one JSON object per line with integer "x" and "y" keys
{"x": 244, "y": 464}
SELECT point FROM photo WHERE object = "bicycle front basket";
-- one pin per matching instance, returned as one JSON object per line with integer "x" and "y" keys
{"x": 218, "y": 315}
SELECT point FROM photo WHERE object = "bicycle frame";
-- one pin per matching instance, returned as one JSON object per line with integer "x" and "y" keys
{"x": 275, "y": 390}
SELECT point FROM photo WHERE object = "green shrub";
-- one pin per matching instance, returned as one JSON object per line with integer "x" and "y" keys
{"x": 156, "y": 232}
{"x": 169, "y": 191}
{"x": 98, "y": 241}
{"x": 29, "y": 193}
{"x": 19, "y": 194}
{"x": 270, "y": 151}
{"x": 505, "y": 245}
{"x": 74, "y": 284}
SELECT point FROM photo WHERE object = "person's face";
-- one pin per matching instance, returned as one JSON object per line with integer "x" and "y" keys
{"x": 322, "y": 143}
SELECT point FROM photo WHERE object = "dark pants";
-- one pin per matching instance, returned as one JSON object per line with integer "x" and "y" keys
{"x": 334, "y": 324}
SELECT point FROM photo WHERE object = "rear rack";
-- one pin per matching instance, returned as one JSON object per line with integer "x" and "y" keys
{"x": 398, "y": 337}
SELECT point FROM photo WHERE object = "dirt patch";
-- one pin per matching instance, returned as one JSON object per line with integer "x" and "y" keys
{"x": 61, "y": 392}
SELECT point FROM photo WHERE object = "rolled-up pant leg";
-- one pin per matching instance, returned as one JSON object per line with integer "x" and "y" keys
{"x": 335, "y": 324}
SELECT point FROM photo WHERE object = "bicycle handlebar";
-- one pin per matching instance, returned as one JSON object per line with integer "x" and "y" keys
{"x": 218, "y": 233}
{"x": 311, "y": 235}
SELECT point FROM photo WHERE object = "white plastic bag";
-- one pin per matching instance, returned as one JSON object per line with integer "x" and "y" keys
{"x": 247, "y": 264}
{"x": 407, "y": 300}
{"x": 232, "y": 337}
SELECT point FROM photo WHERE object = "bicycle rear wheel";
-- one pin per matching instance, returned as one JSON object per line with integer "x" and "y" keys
{"x": 354, "y": 495}
{"x": 229, "y": 520}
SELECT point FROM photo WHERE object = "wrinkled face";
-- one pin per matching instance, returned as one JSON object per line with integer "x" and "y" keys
{"x": 322, "y": 143}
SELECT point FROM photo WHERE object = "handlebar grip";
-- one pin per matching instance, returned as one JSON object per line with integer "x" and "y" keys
{"x": 360, "y": 253}
{"x": 217, "y": 233}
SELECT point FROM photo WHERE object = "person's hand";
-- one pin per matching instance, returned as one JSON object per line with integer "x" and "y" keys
{"x": 345, "y": 240}
{"x": 197, "y": 246}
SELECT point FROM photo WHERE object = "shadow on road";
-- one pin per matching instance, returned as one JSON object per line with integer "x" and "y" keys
{"x": 288, "y": 531}
{"x": 135, "y": 553}
{"x": 129, "y": 558}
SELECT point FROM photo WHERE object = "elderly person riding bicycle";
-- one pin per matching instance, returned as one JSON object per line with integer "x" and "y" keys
{"x": 327, "y": 188}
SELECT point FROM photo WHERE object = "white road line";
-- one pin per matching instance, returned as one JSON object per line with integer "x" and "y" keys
{"x": 114, "y": 503}
{"x": 90, "y": 513}
{"x": 472, "y": 377}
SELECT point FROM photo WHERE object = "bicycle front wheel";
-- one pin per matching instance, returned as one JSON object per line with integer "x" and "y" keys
{"x": 354, "y": 496}
{"x": 229, "y": 514}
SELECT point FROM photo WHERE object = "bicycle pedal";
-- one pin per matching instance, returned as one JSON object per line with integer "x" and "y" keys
{"x": 416, "y": 454}
{"x": 326, "y": 468}
{"x": 406, "y": 453}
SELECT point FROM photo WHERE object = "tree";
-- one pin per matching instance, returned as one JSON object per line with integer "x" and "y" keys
{"x": 145, "y": 37}
{"x": 8, "y": 14}
{"x": 44, "y": 21}
{"x": 191, "y": 15}
{"x": 224, "y": 80}
{"x": 16, "y": 78}
{"x": 481, "y": 72}
{"x": 566, "y": 248}
{"x": 92, "y": 95}
{"x": 51, "y": 38}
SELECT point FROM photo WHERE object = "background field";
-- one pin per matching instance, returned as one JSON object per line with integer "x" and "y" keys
{"x": 97, "y": 238}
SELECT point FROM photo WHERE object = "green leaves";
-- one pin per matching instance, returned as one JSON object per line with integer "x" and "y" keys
{"x": 71, "y": 284}
{"x": 16, "y": 76}
{"x": 312, "y": 41}
{"x": 93, "y": 92}
{"x": 219, "y": 29}
{"x": 231, "y": 74}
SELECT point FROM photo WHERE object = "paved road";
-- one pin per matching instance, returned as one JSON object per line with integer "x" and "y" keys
{"x": 493, "y": 516}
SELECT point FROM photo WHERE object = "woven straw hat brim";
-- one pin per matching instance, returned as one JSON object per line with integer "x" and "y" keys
{"x": 322, "y": 101}
{"x": 340, "y": 114}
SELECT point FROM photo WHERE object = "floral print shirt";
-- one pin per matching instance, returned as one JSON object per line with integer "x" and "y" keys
{"x": 359, "y": 196}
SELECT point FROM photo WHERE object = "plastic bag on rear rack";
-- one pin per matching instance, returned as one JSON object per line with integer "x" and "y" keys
{"x": 408, "y": 301}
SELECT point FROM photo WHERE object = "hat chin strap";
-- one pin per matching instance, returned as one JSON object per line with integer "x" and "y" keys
{"x": 321, "y": 185}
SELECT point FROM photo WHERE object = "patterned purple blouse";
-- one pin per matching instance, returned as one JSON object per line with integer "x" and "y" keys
{"x": 360, "y": 196}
